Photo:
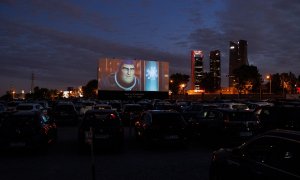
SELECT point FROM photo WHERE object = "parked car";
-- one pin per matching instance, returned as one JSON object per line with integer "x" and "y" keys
{"x": 116, "y": 105}
{"x": 27, "y": 129}
{"x": 87, "y": 105}
{"x": 65, "y": 113}
{"x": 239, "y": 125}
{"x": 11, "y": 105}
{"x": 161, "y": 127}
{"x": 102, "y": 106}
{"x": 257, "y": 104}
{"x": 234, "y": 106}
{"x": 195, "y": 108}
{"x": 2, "y": 108}
{"x": 206, "y": 124}
{"x": 225, "y": 125}
{"x": 272, "y": 155}
{"x": 29, "y": 107}
{"x": 130, "y": 113}
{"x": 284, "y": 117}
{"x": 102, "y": 127}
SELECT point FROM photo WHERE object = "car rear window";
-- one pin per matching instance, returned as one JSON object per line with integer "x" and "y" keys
{"x": 133, "y": 108}
{"x": 241, "y": 116}
{"x": 22, "y": 121}
{"x": 167, "y": 119}
{"x": 240, "y": 106}
{"x": 101, "y": 119}
{"x": 25, "y": 107}
{"x": 67, "y": 108}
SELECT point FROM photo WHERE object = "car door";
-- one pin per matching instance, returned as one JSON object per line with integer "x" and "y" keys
{"x": 268, "y": 157}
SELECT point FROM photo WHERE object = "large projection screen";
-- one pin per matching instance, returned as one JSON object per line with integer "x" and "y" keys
{"x": 133, "y": 75}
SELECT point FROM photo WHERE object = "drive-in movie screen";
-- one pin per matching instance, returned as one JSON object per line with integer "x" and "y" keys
{"x": 133, "y": 75}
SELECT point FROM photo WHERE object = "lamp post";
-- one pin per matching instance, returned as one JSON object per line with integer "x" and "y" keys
{"x": 270, "y": 79}
{"x": 13, "y": 94}
{"x": 182, "y": 86}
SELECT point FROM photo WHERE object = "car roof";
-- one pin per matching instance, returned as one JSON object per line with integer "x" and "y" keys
{"x": 161, "y": 111}
{"x": 283, "y": 133}
{"x": 28, "y": 104}
{"x": 26, "y": 113}
{"x": 231, "y": 110}
{"x": 101, "y": 110}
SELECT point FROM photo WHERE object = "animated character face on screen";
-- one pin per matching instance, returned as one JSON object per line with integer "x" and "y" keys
{"x": 126, "y": 73}
{"x": 124, "y": 78}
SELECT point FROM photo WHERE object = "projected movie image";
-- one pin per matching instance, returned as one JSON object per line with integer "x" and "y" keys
{"x": 133, "y": 75}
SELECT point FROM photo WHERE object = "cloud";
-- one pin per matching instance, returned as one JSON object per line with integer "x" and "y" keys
{"x": 63, "y": 58}
{"x": 270, "y": 27}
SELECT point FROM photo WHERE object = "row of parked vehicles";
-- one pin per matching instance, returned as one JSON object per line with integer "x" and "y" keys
{"x": 269, "y": 134}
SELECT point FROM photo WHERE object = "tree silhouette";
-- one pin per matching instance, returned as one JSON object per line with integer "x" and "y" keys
{"x": 176, "y": 80}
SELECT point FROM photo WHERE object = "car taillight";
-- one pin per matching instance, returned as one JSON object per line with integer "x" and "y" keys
{"x": 44, "y": 130}
{"x": 226, "y": 120}
{"x": 145, "y": 126}
{"x": 214, "y": 156}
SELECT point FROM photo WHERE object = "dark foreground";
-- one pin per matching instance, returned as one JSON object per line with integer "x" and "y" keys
{"x": 62, "y": 161}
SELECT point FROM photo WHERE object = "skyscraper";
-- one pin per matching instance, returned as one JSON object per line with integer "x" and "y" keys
{"x": 215, "y": 68}
{"x": 238, "y": 56}
{"x": 196, "y": 69}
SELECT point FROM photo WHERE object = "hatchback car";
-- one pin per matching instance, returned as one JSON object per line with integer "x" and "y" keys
{"x": 239, "y": 125}
{"x": 226, "y": 126}
{"x": 206, "y": 124}
{"x": 272, "y": 155}
{"x": 103, "y": 128}
{"x": 130, "y": 113}
{"x": 30, "y": 130}
{"x": 65, "y": 113}
{"x": 283, "y": 117}
{"x": 162, "y": 127}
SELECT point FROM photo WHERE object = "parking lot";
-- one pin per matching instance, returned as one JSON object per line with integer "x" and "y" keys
{"x": 63, "y": 161}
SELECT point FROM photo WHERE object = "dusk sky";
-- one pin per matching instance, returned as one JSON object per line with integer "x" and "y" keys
{"x": 62, "y": 41}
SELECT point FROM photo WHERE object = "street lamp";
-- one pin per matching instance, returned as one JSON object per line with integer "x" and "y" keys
{"x": 13, "y": 94}
{"x": 182, "y": 86}
{"x": 270, "y": 79}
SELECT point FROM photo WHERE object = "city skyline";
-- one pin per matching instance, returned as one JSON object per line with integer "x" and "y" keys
{"x": 61, "y": 41}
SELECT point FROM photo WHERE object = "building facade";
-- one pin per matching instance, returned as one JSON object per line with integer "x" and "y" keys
{"x": 196, "y": 69}
{"x": 215, "y": 68}
{"x": 238, "y": 56}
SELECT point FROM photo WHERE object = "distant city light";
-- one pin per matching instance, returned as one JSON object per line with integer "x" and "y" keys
{"x": 231, "y": 47}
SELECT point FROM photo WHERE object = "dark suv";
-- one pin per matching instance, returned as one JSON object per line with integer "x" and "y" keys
{"x": 272, "y": 155}
{"x": 65, "y": 113}
{"x": 30, "y": 130}
{"x": 162, "y": 127}
{"x": 283, "y": 117}
{"x": 103, "y": 127}
{"x": 226, "y": 125}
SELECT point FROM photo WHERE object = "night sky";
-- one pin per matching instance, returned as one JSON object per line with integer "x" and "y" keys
{"x": 62, "y": 41}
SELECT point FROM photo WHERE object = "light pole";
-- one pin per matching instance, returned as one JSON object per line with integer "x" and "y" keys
{"x": 270, "y": 79}
{"x": 182, "y": 86}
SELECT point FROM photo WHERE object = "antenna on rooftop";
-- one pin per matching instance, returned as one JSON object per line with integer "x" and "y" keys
{"x": 32, "y": 83}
